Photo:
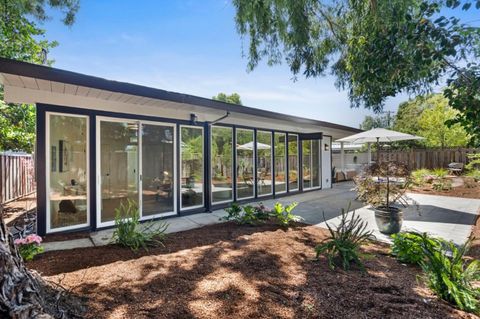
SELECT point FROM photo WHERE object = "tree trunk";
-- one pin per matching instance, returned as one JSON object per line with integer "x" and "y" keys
{"x": 20, "y": 289}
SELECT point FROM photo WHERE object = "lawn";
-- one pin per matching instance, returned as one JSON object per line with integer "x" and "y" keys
{"x": 232, "y": 271}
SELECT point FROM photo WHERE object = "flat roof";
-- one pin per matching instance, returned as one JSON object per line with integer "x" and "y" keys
{"x": 14, "y": 67}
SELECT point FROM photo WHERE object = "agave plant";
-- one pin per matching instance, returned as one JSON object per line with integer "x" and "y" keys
{"x": 343, "y": 244}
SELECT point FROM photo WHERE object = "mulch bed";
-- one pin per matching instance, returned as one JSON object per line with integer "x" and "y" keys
{"x": 230, "y": 271}
{"x": 460, "y": 191}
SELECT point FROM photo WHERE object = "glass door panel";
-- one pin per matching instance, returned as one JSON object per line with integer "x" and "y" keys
{"x": 293, "y": 176}
{"x": 245, "y": 164}
{"x": 307, "y": 164}
{"x": 67, "y": 157}
{"x": 280, "y": 163}
{"x": 191, "y": 169}
{"x": 158, "y": 186}
{"x": 118, "y": 166}
{"x": 316, "y": 163}
{"x": 222, "y": 170}
{"x": 264, "y": 163}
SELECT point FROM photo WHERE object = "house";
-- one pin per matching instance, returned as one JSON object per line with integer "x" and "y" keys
{"x": 100, "y": 142}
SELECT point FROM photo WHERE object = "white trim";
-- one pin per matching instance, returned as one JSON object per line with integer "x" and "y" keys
{"x": 271, "y": 164}
{"x": 48, "y": 172}
{"x": 253, "y": 160}
{"x": 211, "y": 166}
{"x": 203, "y": 167}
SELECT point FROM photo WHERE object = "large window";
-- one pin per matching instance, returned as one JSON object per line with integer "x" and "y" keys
{"x": 67, "y": 158}
{"x": 293, "y": 177}
{"x": 158, "y": 187}
{"x": 191, "y": 166}
{"x": 264, "y": 163}
{"x": 280, "y": 163}
{"x": 222, "y": 170}
{"x": 245, "y": 164}
{"x": 118, "y": 166}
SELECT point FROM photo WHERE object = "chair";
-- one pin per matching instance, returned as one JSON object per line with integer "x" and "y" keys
{"x": 455, "y": 168}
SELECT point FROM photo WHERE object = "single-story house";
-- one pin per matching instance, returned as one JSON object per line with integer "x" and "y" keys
{"x": 101, "y": 142}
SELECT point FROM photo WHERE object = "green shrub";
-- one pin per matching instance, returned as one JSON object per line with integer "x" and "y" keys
{"x": 473, "y": 162}
{"x": 128, "y": 232}
{"x": 440, "y": 172}
{"x": 283, "y": 214}
{"x": 247, "y": 214}
{"x": 474, "y": 173}
{"x": 343, "y": 244}
{"x": 449, "y": 275}
{"x": 442, "y": 184}
{"x": 408, "y": 247}
{"x": 419, "y": 175}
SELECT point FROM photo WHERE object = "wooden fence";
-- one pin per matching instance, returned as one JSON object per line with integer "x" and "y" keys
{"x": 17, "y": 176}
{"x": 427, "y": 158}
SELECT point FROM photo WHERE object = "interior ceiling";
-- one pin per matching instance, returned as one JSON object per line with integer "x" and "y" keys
{"x": 204, "y": 113}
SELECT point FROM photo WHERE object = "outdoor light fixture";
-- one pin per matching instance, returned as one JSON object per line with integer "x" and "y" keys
{"x": 193, "y": 118}
{"x": 327, "y": 147}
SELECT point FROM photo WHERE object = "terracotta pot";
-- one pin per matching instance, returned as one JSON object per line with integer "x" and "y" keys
{"x": 389, "y": 219}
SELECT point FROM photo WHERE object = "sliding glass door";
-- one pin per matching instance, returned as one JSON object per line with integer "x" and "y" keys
{"x": 280, "y": 162}
{"x": 191, "y": 169}
{"x": 222, "y": 164}
{"x": 311, "y": 164}
{"x": 158, "y": 167}
{"x": 135, "y": 162}
{"x": 245, "y": 164}
{"x": 293, "y": 165}
{"x": 264, "y": 163}
{"x": 118, "y": 161}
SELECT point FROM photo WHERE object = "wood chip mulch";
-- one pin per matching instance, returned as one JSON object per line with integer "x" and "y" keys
{"x": 231, "y": 271}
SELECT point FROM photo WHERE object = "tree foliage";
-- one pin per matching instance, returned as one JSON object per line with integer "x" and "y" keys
{"x": 378, "y": 121}
{"x": 21, "y": 39}
{"x": 233, "y": 98}
{"x": 375, "y": 49}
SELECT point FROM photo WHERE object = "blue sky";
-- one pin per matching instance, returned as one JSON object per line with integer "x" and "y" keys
{"x": 190, "y": 47}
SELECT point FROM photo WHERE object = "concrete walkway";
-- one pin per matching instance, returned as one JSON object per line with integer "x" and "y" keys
{"x": 448, "y": 217}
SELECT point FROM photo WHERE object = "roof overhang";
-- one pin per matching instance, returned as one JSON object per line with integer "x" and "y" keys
{"x": 30, "y": 83}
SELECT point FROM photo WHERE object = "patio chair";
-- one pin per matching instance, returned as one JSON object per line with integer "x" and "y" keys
{"x": 455, "y": 168}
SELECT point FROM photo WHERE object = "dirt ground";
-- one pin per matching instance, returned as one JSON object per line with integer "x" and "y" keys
{"x": 230, "y": 271}
{"x": 460, "y": 191}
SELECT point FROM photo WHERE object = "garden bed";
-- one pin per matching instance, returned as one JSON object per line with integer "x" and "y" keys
{"x": 232, "y": 271}
{"x": 456, "y": 191}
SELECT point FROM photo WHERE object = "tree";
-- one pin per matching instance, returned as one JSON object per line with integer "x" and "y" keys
{"x": 233, "y": 98}
{"x": 379, "y": 121}
{"x": 24, "y": 294}
{"x": 375, "y": 49}
{"x": 432, "y": 124}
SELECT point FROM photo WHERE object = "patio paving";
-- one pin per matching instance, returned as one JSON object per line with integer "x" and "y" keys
{"x": 448, "y": 217}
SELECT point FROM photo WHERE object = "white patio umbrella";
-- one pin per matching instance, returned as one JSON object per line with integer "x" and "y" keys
{"x": 249, "y": 146}
{"x": 378, "y": 135}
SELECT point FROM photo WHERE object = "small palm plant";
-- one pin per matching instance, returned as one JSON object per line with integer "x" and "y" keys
{"x": 130, "y": 234}
{"x": 343, "y": 245}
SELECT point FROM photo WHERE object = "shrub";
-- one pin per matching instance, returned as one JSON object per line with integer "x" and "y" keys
{"x": 419, "y": 176}
{"x": 29, "y": 246}
{"x": 475, "y": 174}
{"x": 343, "y": 243}
{"x": 408, "y": 247}
{"x": 283, "y": 214}
{"x": 440, "y": 172}
{"x": 247, "y": 214}
{"x": 442, "y": 185}
{"x": 128, "y": 232}
{"x": 449, "y": 275}
{"x": 473, "y": 162}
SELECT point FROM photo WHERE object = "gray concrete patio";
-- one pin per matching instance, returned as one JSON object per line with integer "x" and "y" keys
{"x": 448, "y": 217}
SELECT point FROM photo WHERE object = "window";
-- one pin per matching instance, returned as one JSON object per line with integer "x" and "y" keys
{"x": 67, "y": 164}
{"x": 293, "y": 177}
{"x": 280, "y": 163}
{"x": 264, "y": 163}
{"x": 191, "y": 169}
{"x": 245, "y": 164}
{"x": 222, "y": 170}
{"x": 158, "y": 178}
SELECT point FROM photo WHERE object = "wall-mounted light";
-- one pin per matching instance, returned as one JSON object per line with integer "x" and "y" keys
{"x": 193, "y": 118}
{"x": 327, "y": 147}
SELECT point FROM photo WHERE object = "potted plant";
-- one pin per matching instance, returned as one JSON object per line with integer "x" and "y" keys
{"x": 383, "y": 187}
